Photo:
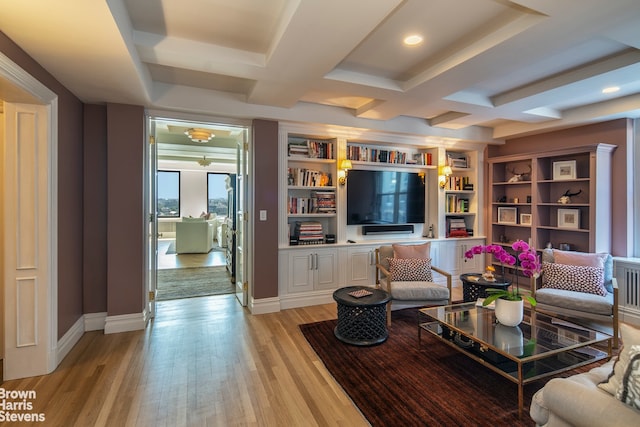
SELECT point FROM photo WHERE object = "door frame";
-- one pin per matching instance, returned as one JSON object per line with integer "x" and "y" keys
{"x": 152, "y": 114}
{"x": 47, "y": 341}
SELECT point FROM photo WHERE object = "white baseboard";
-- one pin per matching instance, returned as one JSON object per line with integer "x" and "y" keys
{"x": 306, "y": 299}
{"x": 629, "y": 316}
{"x": 94, "y": 321}
{"x": 124, "y": 323}
{"x": 264, "y": 305}
{"x": 69, "y": 340}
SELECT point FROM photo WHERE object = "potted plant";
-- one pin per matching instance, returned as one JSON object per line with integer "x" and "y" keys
{"x": 510, "y": 311}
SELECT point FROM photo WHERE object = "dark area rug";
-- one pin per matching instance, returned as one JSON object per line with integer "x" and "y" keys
{"x": 397, "y": 384}
{"x": 179, "y": 283}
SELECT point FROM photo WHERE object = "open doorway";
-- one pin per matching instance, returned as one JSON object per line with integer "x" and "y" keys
{"x": 196, "y": 179}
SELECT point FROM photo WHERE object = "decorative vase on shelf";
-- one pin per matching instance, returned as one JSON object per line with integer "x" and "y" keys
{"x": 509, "y": 313}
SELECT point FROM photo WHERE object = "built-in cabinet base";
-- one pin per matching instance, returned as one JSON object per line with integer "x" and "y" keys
{"x": 313, "y": 273}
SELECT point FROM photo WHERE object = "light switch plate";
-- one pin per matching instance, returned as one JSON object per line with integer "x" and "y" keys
{"x": 263, "y": 215}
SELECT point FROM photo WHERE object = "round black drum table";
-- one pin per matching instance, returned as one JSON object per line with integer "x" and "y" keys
{"x": 474, "y": 286}
{"x": 362, "y": 320}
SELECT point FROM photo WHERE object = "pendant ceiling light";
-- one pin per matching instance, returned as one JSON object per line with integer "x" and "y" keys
{"x": 199, "y": 135}
{"x": 204, "y": 162}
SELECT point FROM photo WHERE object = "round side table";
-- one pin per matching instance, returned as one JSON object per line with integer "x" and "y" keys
{"x": 361, "y": 320}
{"x": 474, "y": 286}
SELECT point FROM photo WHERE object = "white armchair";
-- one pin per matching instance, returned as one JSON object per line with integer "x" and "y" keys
{"x": 194, "y": 236}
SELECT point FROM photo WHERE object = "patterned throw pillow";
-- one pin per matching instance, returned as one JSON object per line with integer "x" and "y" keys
{"x": 630, "y": 339}
{"x": 629, "y": 390}
{"x": 574, "y": 278}
{"x": 410, "y": 270}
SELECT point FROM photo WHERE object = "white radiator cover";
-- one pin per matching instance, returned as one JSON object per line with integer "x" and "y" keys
{"x": 627, "y": 272}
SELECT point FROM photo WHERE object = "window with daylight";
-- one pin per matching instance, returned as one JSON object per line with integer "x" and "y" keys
{"x": 217, "y": 196}
{"x": 168, "y": 194}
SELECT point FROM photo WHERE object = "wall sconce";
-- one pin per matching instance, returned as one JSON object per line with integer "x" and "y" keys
{"x": 445, "y": 171}
{"x": 345, "y": 165}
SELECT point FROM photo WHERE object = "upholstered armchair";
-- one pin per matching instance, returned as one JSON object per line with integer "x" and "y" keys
{"x": 406, "y": 273}
{"x": 578, "y": 285}
{"x": 194, "y": 235}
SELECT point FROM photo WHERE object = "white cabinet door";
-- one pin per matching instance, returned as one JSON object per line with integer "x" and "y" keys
{"x": 325, "y": 268}
{"x": 312, "y": 269}
{"x": 300, "y": 275}
{"x": 361, "y": 268}
{"x": 449, "y": 256}
{"x": 475, "y": 264}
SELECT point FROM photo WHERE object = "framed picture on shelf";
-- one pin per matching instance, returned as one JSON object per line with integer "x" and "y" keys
{"x": 525, "y": 219}
{"x": 565, "y": 170}
{"x": 569, "y": 218}
{"x": 507, "y": 215}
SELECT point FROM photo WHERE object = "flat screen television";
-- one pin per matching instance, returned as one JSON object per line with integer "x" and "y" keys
{"x": 384, "y": 197}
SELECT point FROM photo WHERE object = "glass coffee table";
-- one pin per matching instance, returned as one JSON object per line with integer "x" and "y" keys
{"x": 541, "y": 346}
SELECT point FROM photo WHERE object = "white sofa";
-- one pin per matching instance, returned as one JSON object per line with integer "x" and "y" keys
{"x": 578, "y": 401}
{"x": 194, "y": 235}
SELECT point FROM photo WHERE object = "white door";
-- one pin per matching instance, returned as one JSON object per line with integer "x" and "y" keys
{"x": 29, "y": 337}
{"x": 242, "y": 179}
{"x": 151, "y": 215}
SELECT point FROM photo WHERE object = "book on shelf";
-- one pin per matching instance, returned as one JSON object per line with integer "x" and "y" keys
{"x": 456, "y": 227}
{"x": 323, "y": 201}
{"x": 457, "y": 160}
{"x": 457, "y": 204}
{"x": 308, "y": 177}
{"x": 308, "y": 232}
{"x": 457, "y": 183}
{"x": 311, "y": 149}
{"x": 378, "y": 155}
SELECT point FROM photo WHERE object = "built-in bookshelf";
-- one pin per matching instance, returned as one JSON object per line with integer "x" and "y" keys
{"x": 460, "y": 193}
{"x": 528, "y": 198}
{"x": 311, "y": 192}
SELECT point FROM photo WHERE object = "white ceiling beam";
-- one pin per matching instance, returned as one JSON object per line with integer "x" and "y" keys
{"x": 596, "y": 68}
{"x": 316, "y": 56}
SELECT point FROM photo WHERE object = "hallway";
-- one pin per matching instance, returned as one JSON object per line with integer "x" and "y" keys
{"x": 202, "y": 361}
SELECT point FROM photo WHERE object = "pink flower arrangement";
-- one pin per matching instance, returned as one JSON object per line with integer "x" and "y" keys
{"x": 527, "y": 259}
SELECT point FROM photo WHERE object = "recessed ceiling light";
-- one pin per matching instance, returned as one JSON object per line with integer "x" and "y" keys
{"x": 610, "y": 89}
{"x": 413, "y": 40}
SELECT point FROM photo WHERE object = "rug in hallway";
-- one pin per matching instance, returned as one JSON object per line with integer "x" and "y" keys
{"x": 176, "y": 283}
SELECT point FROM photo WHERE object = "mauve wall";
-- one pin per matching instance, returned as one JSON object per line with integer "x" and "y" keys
{"x": 125, "y": 212}
{"x": 95, "y": 209}
{"x": 265, "y": 242}
{"x": 70, "y": 217}
{"x": 615, "y": 132}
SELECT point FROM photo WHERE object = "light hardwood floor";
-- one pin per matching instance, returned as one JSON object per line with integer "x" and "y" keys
{"x": 202, "y": 361}
{"x": 215, "y": 257}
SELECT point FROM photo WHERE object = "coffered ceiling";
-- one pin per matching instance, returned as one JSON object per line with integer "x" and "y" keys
{"x": 486, "y": 70}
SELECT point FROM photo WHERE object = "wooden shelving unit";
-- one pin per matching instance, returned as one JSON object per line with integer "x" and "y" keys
{"x": 584, "y": 223}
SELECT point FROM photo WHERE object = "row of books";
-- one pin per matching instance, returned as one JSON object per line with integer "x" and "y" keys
{"x": 457, "y": 204}
{"x": 319, "y": 202}
{"x": 456, "y": 227}
{"x": 458, "y": 183}
{"x": 311, "y": 149}
{"x": 457, "y": 160}
{"x": 308, "y": 177}
{"x": 308, "y": 232}
{"x": 369, "y": 154}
